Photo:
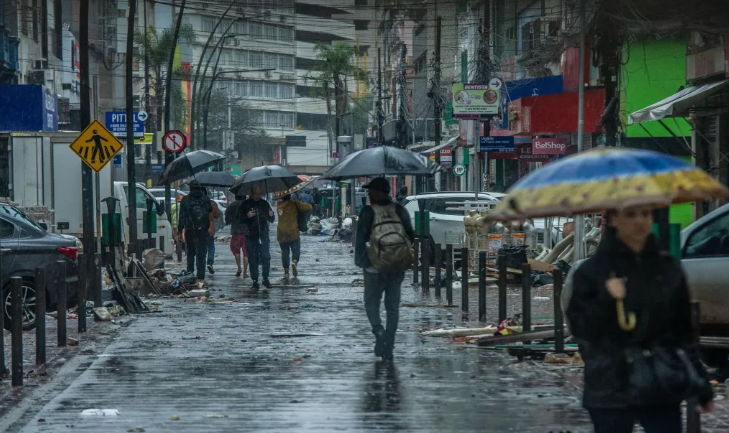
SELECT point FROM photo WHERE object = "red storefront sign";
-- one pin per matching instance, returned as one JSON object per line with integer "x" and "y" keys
{"x": 549, "y": 146}
{"x": 446, "y": 157}
{"x": 557, "y": 114}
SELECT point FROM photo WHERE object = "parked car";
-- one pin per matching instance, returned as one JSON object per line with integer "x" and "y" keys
{"x": 26, "y": 245}
{"x": 159, "y": 193}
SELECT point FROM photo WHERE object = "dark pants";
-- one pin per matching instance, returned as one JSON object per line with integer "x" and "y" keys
{"x": 375, "y": 285}
{"x": 258, "y": 250}
{"x": 294, "y": 248}
{"x": 197, "y": 248}
{"x": 659, "y": 419}
{"x": 211, "y": 250}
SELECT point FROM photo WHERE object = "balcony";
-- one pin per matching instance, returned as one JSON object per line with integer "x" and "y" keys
{"x": 8, "y": 56}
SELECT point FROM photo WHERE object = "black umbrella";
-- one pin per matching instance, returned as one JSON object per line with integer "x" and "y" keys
{"x": 381, "y": 161}
{"x": 215, "y": 179}
{"x": 189, "y": 164}
{"x": 270, "y": 178}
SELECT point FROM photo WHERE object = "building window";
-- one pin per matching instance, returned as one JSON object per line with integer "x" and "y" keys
{"x": 270, "y": 61}
{"x": 208, "y": 24}
{"x": 241, "y": 27}
{"x": 256, "y": 59}
{"x": 286, "y": 34}
{"x": 285, "y": 63}
{"x": 256, "y": 31}
{"x": 360, "y": 2}
{"x": 271, "y": 90}
{"x": 243, "y": 59}
{"x": 271, "y": 33}
{"x": 286, "y": 91}
{"x": 257, "y": 89}
{"x": 361, "y": 24}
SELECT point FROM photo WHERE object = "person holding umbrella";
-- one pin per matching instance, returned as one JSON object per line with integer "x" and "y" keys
{"x": 195, "y": 213}
{"x": 383, "y": 223}
{"x": 257, "y": 214}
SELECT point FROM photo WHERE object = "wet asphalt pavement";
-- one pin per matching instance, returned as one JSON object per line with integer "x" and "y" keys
{"x": 295, "y": 360}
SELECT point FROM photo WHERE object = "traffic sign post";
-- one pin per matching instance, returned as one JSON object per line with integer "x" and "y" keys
{"x": 116, "y": 122}
{"x": 96, "y": 146}
{"x": 174, "y": 142}
{"x": 459, "y": 169}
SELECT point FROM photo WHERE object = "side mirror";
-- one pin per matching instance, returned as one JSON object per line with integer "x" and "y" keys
{"x": 160, "y": 207}
{"x": 44, "y": 226}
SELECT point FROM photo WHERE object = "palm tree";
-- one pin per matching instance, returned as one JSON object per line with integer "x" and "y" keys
{"x": 336, "y": 67}
{"x": 155, "y": 47}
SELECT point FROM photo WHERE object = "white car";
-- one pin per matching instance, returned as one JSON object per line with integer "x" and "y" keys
{"x": 447, "y": 214}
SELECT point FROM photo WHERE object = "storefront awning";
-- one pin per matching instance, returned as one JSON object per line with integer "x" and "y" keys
{"x": 679, "y": 104}
{"x": 429, "y": 146}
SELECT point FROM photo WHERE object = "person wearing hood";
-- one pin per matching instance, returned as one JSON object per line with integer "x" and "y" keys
{"x": 195, "y": 212}
{"x": 630, "y": 302}
{"x": 257, "y": 214}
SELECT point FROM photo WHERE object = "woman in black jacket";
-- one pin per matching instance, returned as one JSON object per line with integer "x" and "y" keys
{"x": 629, "y": 266}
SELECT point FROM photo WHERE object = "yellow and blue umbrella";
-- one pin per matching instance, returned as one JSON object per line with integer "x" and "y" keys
{"x": 607, "y": 178}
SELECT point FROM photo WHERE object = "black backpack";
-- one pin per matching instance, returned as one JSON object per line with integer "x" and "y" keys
{"x": 199, "y": 214}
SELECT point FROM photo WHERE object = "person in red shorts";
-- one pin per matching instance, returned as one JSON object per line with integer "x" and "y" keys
{"x": 238, "y": 230}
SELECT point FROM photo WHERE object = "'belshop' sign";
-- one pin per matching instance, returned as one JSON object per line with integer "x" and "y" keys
{"x": 549, "y": 146}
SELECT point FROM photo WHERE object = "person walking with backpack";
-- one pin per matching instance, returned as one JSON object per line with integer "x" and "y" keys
{"x": 257, "y": 214}
{"x": 238, "y": 230}
{"x": 195, "y": 212}
{"x": 287, "y": 232}
{"x": 383, "y": 249}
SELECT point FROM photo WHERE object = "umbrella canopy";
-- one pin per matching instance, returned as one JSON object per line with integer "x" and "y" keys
{"x": 189, "y": 164}
{"x": 271, "y": 178}
{"x": 381, "y": 161}
{"x": 216, "y": 179}
{"x": 306, "y": 181}
{"x": 606, "y": 178}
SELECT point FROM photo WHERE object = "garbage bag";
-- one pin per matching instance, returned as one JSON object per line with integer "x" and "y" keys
{"x": 153, "y": 258}
{"x": 514, "y": 255}
{"x": 187, "y": 278}
{"x": 347, "y": 223}
{"x": 329, "y": 226}
{"x": 345, "y": 235}
{"x": 542, "y": 279}
{"x": 563, "y": 266}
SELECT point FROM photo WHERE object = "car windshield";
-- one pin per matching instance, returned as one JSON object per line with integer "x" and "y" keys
{"x": 17, "y": 213}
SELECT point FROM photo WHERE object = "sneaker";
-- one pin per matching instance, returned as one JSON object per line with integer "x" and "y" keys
{"x": 255, "y": 287}
{"x": 211, "y": 270}
{"x": 286, "y": 273}
{"x": 380, "y": 342}
{"x": 266, "y": 283}
{"x": 387, "y": 352}
{"x": 295, "y": 269}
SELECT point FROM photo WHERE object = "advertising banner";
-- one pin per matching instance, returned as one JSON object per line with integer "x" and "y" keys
{"x": 497, "y": 144}
{"x": 524, "y": 153}
{"x": 472, "y": 100}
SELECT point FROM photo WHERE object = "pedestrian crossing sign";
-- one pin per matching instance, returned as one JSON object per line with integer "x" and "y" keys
{"x": 96, "y": 146}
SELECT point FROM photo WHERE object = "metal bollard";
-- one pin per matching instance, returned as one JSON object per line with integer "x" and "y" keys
{"x": 96, "y": 281}
{"x": 84, "y": 266}
{"x": 61, "y": 301}
{"x": 693, "y": 417}
{"x": 464, "y": 280}
{"x": 416, "y": 267}
{"x": 425, "y": 266}
{"x": 482, "y": 286}
{"x": 449, "y": 275}
{"x": 16, "y": 320}
{"x": 502, "y": 289}
{"x": 558, "y": 314}
{"x": 438, "y": 269}
{"x": 40, "y": 315}
{"x": 526, "y": 297}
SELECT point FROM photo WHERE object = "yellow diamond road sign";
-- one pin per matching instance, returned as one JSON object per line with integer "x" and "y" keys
{"x": 96, "y": 146}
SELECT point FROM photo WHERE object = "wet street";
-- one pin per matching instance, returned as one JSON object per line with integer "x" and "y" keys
{"x": 300, "y": 358}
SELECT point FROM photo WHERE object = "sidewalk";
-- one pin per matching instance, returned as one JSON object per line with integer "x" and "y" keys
{"x": 296, "y": 360}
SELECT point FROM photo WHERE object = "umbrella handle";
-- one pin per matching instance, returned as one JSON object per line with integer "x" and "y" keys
{"x": 625, "y": 325}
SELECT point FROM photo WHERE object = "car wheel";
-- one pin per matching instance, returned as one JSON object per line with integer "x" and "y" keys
{"x": 29, "y": 299}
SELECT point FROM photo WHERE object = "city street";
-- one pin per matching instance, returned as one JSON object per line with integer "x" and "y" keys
{"x": 295, "y": 359}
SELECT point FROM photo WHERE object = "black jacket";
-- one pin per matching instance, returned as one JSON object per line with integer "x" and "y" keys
{"x": 364, "y": 231}
{"x": 656, "y": 291}
{"x": 259, "y": 223}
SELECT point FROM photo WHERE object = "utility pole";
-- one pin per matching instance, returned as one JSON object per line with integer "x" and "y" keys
{"x": 169, "y": 157}
{"x": 580, "y": 252}
{"x": 380, "y": 136}
{"x": 131, "y": 181}
{"x": 435, "y": 94}
{"x": 87, "y": 178}
{"x": 148, "y": 150}
{"x": 402, "y": 118}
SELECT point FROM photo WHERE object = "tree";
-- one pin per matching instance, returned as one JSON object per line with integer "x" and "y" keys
{"x": 243, "y": 120}
{"x": 336, "y": 67}
{"x": 156, "y": 47}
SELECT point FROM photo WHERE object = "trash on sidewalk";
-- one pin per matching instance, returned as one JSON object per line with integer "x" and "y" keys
{"x": 198, "y": 293}
{"x": 100, "y": 412}
{"x": 153, "y": 259}
{"x": 459, "y": 332}
{"x": 564, "y": 359}
{"x": 102, "y": 314}
{"x": 175, "y": 418}
{"x": 137, "y": 429}
{"x": 72, "y": 341}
